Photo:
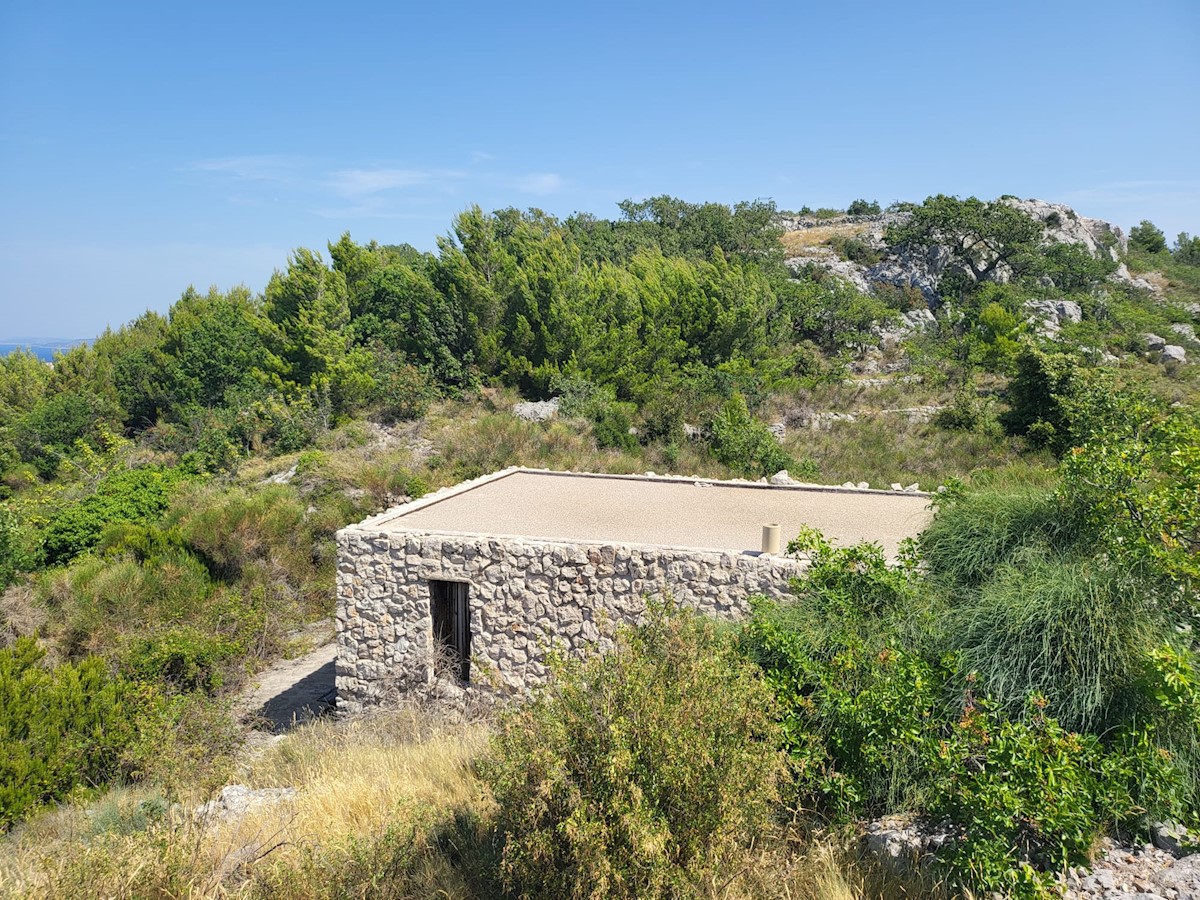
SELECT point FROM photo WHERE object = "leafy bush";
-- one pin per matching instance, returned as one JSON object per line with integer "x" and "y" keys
{"x": 1024, "y": 799}
{"x": 59, "y": 727}
{"x": 1034, "y": 394}
{"x": 967, "y": 411}
{"x": 236, "y": 530}
{"x": 13, "y": 555}
{"x": 744, "y": 444}
{"x": 401, "y": 390}
{"x": 641, "y": 773}
{"x": 857, "y": 698}
{"x": 854, "y": 249}
{"x": 183, "y": 657}
{"x": 126, "y": 495}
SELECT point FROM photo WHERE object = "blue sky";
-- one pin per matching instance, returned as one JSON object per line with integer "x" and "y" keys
{"x": 148, "y": 146}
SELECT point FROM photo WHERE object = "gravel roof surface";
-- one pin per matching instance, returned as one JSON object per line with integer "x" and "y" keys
{"x": 660, "y": 511}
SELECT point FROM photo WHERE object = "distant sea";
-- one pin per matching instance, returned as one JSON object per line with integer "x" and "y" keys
{"x": 45, "y": 348}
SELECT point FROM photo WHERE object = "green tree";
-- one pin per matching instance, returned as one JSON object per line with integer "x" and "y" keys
{"x": 981, "y": 236}
{"x": 1186, "y": 250}
{"x": 309, "y": 307}
{"x": 214, "y": 343}
{"x": 863, "y": 208}
{"x": 1147, "y": 237}
{"x": 1035, "y": 396}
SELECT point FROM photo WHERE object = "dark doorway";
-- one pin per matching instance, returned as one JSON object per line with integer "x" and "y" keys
{"x": 451, "y": 628}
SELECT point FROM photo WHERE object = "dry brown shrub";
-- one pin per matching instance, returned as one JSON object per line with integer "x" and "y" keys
{"x": 20, "y": 614}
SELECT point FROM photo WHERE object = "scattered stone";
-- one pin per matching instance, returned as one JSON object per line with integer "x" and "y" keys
{"x": 235, "y": 800}
{"x": 778, "y": 429}
{"x": 863, "y": 486}
{"x": 820, "y": 420}
{"x": 1153, "y": 341}
{"x": 1174, "y": 353}
{"x": 1123, "y": 872}
{"x": 916, "y": 413}
{"x": 692, "y": 433}
{"x": 536, "y": 410}
{"x": 897, "y": 486}
{"x": 1182, "y": 876}
{"x": 911, "y": 322}
{"x": 912, "y": 488}
{"x": 826, "y": 259}
{"x": 782, "y": 477}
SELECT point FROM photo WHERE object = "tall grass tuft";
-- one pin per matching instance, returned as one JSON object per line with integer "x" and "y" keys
{"x": 974, "y": 534}
{"x": 1072, "y": 631}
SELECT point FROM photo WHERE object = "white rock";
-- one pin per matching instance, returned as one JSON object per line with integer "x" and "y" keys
{"x": 536, "y": 410}
{"x": 782, "y": 477}
{"x": 1174, "y": 353}
{"x": 1153, "y": 341}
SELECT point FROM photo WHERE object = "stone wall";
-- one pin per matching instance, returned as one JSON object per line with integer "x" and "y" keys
{"x": 527, "y": 597}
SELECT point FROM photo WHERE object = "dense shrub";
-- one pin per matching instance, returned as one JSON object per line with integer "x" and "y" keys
{"x": 745, "y": 444}
{"x": 1147, "y": 237}
{"x": 1028, "y": 799}
{"x": 59, "y": 727}
{"x": 239, "y": 530}
{"x": 854, "y": 250}
{"x": 125, "y": 495}
{"x": 183, "y": 657}
{"x": 863, "y": 208}
{"x": 967, "y": 411}
{"x": 1035, "y": 393}
{"x": 856, "y": 696}
{"x": 642, "y": 773}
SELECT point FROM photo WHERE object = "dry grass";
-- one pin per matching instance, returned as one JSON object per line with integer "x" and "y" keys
{"x": 387, "y": 806}
{"x": 795, "y": 241}
{"x": 354, "y": 782}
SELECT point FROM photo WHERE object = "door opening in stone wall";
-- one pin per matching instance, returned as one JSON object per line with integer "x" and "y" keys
{"x": 451, "y": 627}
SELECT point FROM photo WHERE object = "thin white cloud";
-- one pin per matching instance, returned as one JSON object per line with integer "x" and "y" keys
{"x": 358, "y": 182}
{"x": 540, "y": 183}
{"x": 254, "y": 167}
{"x": 366, "y": 190}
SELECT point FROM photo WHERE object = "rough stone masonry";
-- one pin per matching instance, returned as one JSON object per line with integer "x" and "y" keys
{"x": 527, "y": 596}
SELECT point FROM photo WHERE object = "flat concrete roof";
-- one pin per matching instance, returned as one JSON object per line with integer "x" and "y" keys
{"x": 657, "y": 510}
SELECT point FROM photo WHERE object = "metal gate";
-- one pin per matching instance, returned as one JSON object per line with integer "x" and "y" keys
{"x": 451, "y": 627}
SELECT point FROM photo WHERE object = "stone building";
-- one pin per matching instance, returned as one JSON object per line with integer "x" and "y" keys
{"x": 475, "y": 585}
